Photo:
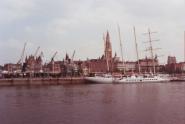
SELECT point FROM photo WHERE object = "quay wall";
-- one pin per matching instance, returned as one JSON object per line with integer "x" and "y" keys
{"x": 40, "y": 81}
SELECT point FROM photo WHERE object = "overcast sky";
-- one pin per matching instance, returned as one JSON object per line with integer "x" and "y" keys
{"x": 68, "y": 25}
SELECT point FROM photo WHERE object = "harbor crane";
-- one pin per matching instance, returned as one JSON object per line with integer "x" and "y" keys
{"x": 20, "y": 62}
{"x": 41, "y": 55}
{"x": 53, "y": 56}
{"x": 53, "y": 60}
{"x": 36, "y": 52}
{"x": 22, "y": 55}
{"x": 72, "y": 56}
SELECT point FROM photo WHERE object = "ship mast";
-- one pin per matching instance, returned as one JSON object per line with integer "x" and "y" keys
{"x": 184, "y": 46}
{"x": 121, "y": 50}
{"x": 150, "y": 48}
{"x": 136, "y": 50}
{"x": 106, "y": 52}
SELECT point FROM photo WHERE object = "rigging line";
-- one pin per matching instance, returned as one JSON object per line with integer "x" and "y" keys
{"x": 162, "y": 50}
{"x": 158, "y": 52}
{"x": 140, "y": 40}
{"x": 124, "y": 53}
{"x": 97, "y": 49}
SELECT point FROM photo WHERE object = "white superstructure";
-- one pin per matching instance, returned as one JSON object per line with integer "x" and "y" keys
{"x": 134, "y": 79}
{"x": 181, "y": 78}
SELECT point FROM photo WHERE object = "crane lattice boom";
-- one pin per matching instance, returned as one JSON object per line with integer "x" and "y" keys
{"x": 36, "y": 52}
{"x": 22, "y": 55}
{"x": 53, "y": 56}
{"x": 34, "y": 55}
{"x": 72, "y": 56}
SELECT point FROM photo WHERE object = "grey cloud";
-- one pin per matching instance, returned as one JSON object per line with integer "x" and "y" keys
{"x": 79, "y": 25}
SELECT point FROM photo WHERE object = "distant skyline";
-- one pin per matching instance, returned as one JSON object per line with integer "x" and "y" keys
{"x": 65, "y": 26}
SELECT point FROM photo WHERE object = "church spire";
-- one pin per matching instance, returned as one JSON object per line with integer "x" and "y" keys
{"x": 108, "y": 47}
{"x": 67, "y": 57}
{"x": 107, "y": 33}
{"x": 107, "y": 38}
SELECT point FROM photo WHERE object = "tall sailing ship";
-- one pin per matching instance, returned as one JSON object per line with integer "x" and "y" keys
{"x": 144, "y": 78}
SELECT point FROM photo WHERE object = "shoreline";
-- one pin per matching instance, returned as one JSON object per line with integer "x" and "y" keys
{"x": 41, "y": 81}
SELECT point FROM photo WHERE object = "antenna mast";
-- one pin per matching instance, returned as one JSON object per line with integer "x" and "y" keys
{"x": 121, "y": 50}
{"x": 136, "y": 49}
{"x": 106, "y": 52}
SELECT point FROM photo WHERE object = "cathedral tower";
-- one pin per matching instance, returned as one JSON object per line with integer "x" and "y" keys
{"x": 108, "y": 47}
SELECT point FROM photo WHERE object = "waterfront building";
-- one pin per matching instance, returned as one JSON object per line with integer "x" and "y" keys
{"x": 33, "y": 65}
{"x": 46, "y": 69}
{"x": 9, "y": 67}
{"x": 182, "y": 66}
{"x": 84, "y": 65}
{"x": 29, "y": 64}
{"x": 1, "y": 67}
{"x": 129, "y": 66}
{"x": 100, "y": 65}
{"x": 175, "y": 66}
{"x": 1, "y": 73}
{"x": 147, "y": 64}
{"x": 54, "y": 67}
{"x": 19, "y": 68}
{"x": 38, "y": 65}
{"x": 171, "y": 60}
{"x": 68, "y": 67}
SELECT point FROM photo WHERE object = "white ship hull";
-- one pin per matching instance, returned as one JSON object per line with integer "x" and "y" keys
{"x": 99, "y": 79}
{"x": 131, "y": 79}
{"x": 140, "y": 80}
{"x": 181, "y": 78}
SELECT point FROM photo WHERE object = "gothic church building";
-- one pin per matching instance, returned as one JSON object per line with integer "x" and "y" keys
{"x": 100, "y": 64}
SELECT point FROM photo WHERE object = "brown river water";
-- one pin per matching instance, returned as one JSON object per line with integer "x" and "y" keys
{"x": 135, "y": 103}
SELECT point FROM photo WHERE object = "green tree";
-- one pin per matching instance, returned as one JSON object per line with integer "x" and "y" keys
{"x": 161, "y": 70}
{"x": 171, "y": 70}
{"x": 117, "y": 70}
{"x": 178, "y": 70}
{"x": 129, "y": 71}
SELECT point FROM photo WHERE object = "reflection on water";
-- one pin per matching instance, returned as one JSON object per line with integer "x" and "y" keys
{"x": 141, "y": 103}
